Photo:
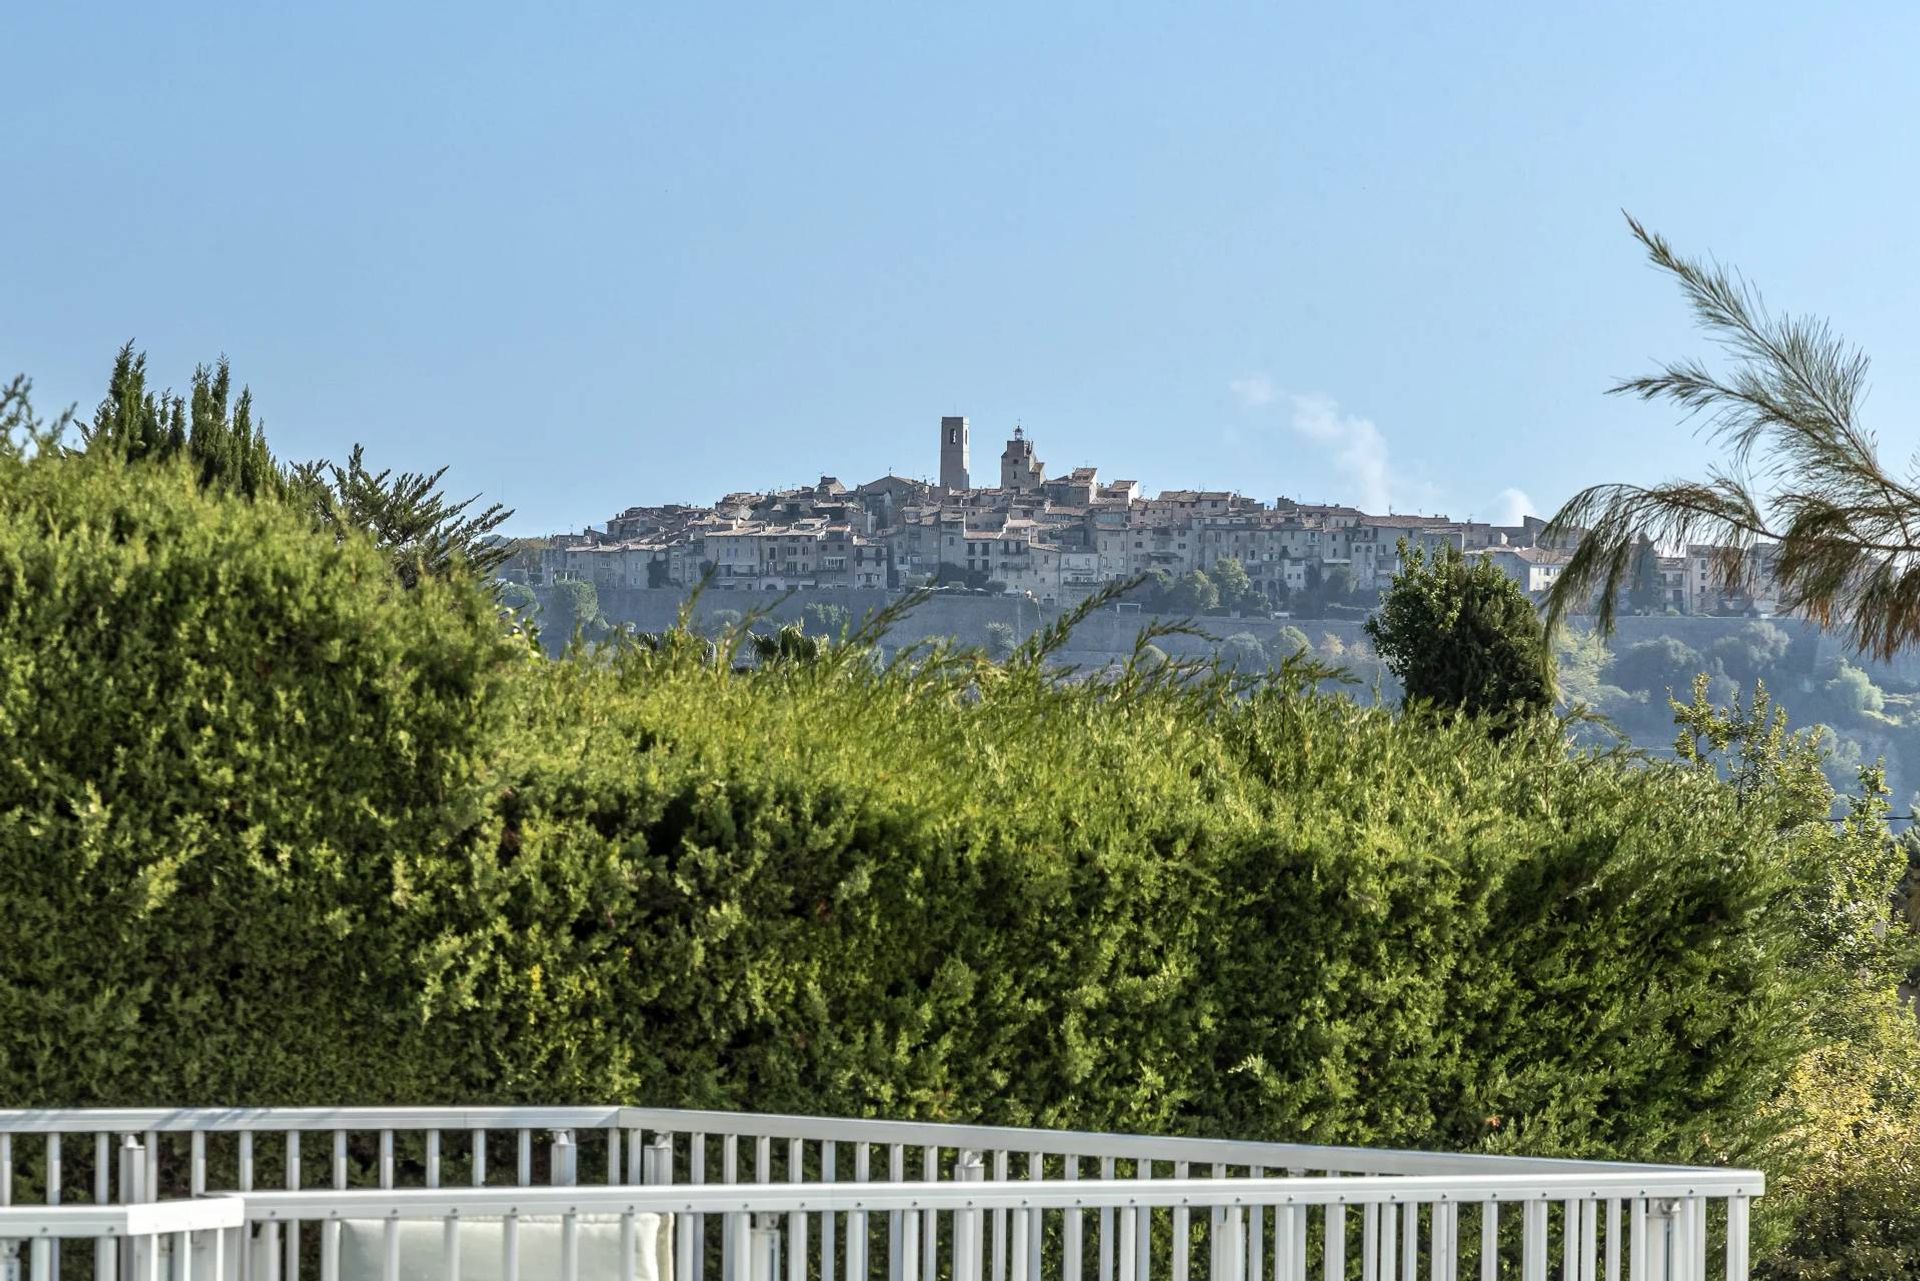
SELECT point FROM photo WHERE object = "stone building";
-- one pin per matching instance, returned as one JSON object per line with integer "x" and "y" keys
{"x": 954, "y": 454}
{"x": 1021, "y": 472}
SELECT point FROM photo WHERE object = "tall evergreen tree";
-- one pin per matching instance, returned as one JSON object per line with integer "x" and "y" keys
{"x": 132, "y": 420}
{"x": 425, "y": 533}
{"x": 227, "y": 449}
{"x": 1643, "y": 595}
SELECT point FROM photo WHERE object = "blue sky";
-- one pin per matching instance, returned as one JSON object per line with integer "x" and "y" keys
{"x": 594, "y": 255}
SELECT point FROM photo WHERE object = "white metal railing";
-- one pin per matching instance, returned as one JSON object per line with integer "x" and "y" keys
{"x": 838, "y": 1186}
{"x": 211, "y": 1229}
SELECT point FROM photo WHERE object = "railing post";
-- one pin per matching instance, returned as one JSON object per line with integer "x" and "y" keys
{"x": 1071, "y": 1233}
{"x": 1736, "y": 1239}
{"x": 896, "y": 1219}
{"x": 657, "y": 1167}
{"x": 1658, "y": 1245}
{"x": 829, "y": 1173}
{"x": 53, "y": 1193}
{"x": 859, "y": 1233}
{"x": 968, "y": 1240}
{"x": 1533, "y": 1253}
{"x": 999, "y": 1272}
{"x": 910, "y": 1247}
{"x": 330, "y": 1250}
{"x": 1182, "y": 1237}
{"x": 563, "y": 1160}
{"x": 764, "y": 1250}
{"x": 929, "y": 1218}
{"x": 739, "y": 1247}
{"x": 1105, "y": 1272}
{"x": 133, "y": 1182}
{"x": 290, "y": 1268}
{"x": 9, "y": 1250}
{"x": 1143, "y": 1230}
{"x": 133, "y": 1171}
{"x": 1256, "y": 1233}
{"x": 732, "y": 1240}
{"x": 1234, "y": 1247}
{"x": 796, "y": 1246}
{"x": 734, "y": 1246}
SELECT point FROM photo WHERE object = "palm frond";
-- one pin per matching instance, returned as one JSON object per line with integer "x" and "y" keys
{"x": 1802, "y": 496}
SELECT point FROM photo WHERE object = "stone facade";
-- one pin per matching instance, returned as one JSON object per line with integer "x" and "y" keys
{"x": 1053, "y": 540}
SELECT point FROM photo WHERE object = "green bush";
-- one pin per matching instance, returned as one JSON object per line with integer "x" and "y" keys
{"x": 237, "y": 762}
{"x": 273, "y": 830}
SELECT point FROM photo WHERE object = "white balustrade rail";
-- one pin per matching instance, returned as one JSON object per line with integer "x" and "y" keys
{"x": 925, "y": 1202}
{"x": 131, "y": 1242}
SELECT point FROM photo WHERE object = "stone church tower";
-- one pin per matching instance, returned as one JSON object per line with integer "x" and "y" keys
{"x": 1020, "y": 471}
{"x": 953, "y": 454}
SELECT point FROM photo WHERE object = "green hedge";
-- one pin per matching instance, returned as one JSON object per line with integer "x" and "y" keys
{"x": 229, "y": 753}
{"x": 273, "y": 830}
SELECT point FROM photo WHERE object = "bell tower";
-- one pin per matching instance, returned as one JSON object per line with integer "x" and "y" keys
{"x": 1020, "y": 470}
{"x": 953, "y": 454}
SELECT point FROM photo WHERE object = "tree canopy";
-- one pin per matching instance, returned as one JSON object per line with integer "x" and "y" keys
{"x": 424, "y": 533}
{"x": 228, "y": 450}
{"x": 1462, "y": 636}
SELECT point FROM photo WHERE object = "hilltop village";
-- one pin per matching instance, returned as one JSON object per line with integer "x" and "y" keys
{"x": 1053, "y": 539}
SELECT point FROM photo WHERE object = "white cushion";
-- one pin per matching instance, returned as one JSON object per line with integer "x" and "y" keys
{"x": 363, "y": 1249}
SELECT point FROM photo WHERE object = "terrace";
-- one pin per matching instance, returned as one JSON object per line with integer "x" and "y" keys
{"x": 640, "y": 1194}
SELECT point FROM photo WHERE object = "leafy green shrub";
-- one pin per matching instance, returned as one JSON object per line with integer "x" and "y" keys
{"x": 1854, "y": 691}
{"x": 237, "y": 763}
{"x": 1852, "y": 1193}
{"x": 1462, "y": 636}
{"x": 1665, "y": 665}
{"x": 273, "y": 830}
{"x": 520, "y": 599}
{"x": 572, "y": 611}
{"x": 830, "y": 621}
{"x": 1243, "y": 652}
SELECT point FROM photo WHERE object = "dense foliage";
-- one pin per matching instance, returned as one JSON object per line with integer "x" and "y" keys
{"x": 1225, "y": 588}
{"x": 274, "y": 829}
{"x": 1462, "y": 636}
{"x": 425, "y": 533}
{"x": 223, "y": 445}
